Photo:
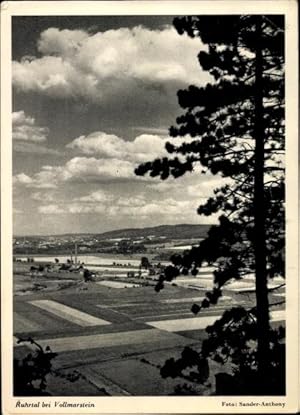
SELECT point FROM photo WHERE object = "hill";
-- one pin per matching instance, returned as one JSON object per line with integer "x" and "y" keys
{"x": 182, "y": 231}
{"x": 169, "y": 231}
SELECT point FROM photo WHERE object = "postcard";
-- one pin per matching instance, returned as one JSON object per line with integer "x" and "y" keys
{"x": 149, "y": 207}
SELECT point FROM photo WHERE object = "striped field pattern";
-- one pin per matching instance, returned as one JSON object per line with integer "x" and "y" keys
{"x": 198, "y": 323}
{"x": 69, "y": 313}
{"x": 109, "y": 340}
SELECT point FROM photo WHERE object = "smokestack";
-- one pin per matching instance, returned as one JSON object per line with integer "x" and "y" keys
{"x": 75, "y": 253}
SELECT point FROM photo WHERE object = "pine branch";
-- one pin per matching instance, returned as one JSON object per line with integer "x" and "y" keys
{"x": 276, "y": 288}
{"x": 278, "y": 303}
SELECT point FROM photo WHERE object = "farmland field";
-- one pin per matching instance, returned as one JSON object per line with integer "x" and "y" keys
{"x": 116, "y": 331}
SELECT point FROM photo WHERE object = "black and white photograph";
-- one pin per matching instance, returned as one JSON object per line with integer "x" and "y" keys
{"x": 149, "y": 207}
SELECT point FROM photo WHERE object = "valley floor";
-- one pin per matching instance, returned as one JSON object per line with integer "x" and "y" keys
{"x": 115, "y": 334}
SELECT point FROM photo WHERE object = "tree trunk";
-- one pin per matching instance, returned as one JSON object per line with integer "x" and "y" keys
{"x": 262, "y": 302}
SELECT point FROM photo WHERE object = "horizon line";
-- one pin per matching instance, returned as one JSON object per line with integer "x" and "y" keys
{"x": 112, "y": 230}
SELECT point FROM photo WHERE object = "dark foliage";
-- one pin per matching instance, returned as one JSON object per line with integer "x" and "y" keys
{"x": 30, "y": 373}
{"x": 235, "y": 128}
{"x": 145, "y": 263}
{"x": 88, "y": 275}
{"x": 232, "y": 341}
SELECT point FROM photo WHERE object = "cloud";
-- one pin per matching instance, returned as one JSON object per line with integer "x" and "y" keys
{"x": 152, "y": 130}
{"x": 43, "y": 196}
{"x": 207, "y": 185}
{"x": 23, "y": 147}
{"x": 19, "y": 118}
{"x": 115, "y": 206}
{"x": 194, "y": 186}
{"x": 107, "y": 145}
{"x": 77, "y": 208}
{"x": 176, "y": 202}
{"x": 50, "y": 209}
{"x": 39, "y": 180}
{"x": 75, "y": 63}
{"x": 143, "y": 148}
{"x": 98, "y": 169}
{"x": 61, "y": 42}
{"x": 78, "y": 169}
{"x": 144, "y": 208}
{"x": 114, "y": 159}
{"x": 25, "y": 129}
{"x": 96, "y": 197}
{"x": 27, "y": 136}
{"x": 22, "y": 178}
{"x": 70, "y": 208}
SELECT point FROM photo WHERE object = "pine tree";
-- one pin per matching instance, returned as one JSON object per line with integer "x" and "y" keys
{"x": 236, "y": 125}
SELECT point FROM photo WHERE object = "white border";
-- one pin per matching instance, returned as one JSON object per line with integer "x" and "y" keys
{"x": 154, "y": 404}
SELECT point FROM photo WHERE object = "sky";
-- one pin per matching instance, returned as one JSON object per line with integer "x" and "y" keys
{"x": 93, "y": 97}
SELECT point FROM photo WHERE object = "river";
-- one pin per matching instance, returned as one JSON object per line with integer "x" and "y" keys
{"x": 89, "y": 260}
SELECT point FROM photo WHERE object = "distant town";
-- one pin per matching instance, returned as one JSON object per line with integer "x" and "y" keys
{"x": 158, "y": 240}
